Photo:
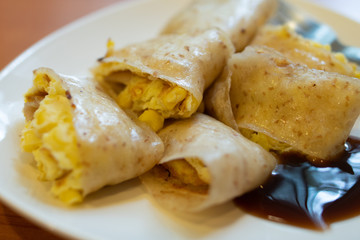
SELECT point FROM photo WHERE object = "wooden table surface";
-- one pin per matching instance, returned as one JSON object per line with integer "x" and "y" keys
{"x": 24, "y": 22}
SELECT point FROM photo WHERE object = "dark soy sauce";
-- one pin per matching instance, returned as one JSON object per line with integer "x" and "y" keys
{"x": 302, "y": 194}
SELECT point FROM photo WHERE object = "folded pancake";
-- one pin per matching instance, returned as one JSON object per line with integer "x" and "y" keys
{"x": 205, "y": 163}
{"x": 305, "y": 51}
{"x": 164, "y": 77}
{"x": 79, "y": 137}
{"x": 239, "y": 19}
{"x": 286, "y": 106}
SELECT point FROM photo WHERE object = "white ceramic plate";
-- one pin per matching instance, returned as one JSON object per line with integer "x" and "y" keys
{"x": 123, "y": 211}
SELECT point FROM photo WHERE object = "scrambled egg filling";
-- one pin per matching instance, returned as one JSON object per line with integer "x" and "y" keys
{"x": 342, "y": 65}
{"x": 156, "y": 100}
{"x": 50, "y": 136}
{"x": 268, "y": 143}
{"x": 190, "y": 173}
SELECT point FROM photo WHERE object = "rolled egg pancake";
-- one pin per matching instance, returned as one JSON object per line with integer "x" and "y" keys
{"x": 286, "y": 106}
{"x": 305, "y": 51}
{"x": 205, "y": 163}
{"x": 164, "y": 77}
{"x": 80, "y": 139}
{"x": 239, "y": 19}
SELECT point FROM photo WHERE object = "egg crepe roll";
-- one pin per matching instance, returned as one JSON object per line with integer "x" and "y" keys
{"x": 305, "y": 51}
{"x": 164, "y": 77}
{"x": 239, "y": 19}
{"x": 80, "y": 139}
{"x": 205, "y": 163}
{"x": 287, "y": 106}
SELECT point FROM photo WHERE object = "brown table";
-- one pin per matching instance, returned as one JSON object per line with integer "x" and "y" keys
{"x": 22, "y": 23}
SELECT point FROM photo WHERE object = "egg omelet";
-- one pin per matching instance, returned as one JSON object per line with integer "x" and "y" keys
{"x": 50, "y": 135}
{"x": 81, "y": 139}
{"x": 153, "y": 100}
{"x": 268, "y": 143}
{"x": 189, "y": 172}
{"x": 156, "y": 100}
{"x": 288, "y": 106}
{"x": 164, "y": 77}
{"x": 305, "y": 51}
{"x": 205, "y": 163}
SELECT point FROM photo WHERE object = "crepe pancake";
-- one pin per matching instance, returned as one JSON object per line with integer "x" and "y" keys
{"x": 286, "y": 106}
{"x": 205, "y": 163}
{"x": 81, "y": 140}
{"x": 239, "y": 19}
{"x": 164, "y": 77}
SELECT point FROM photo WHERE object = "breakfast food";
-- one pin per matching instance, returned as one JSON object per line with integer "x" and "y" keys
{"x": 304, "y": 100}
{"x": 80, "y": 139}
{"x": 239, "y": 19}
{"x": 164, "y": 77}
{"x": 205, "y": 163}
{"x": 304, "y": 51}
{"x": 286, "y": 106}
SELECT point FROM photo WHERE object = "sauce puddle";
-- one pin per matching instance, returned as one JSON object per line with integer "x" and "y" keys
{"x": 309, "y": 196}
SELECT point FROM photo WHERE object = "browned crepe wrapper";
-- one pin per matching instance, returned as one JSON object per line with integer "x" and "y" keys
{"x": 191, "y": 62}
{"x": 239, "y": 19}
{"x": 235, "y": 164}
{"x": 311, "y": 110}
{"x": 110, "y": 146}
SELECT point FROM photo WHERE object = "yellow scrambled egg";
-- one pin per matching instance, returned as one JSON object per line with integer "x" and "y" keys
{"x": 156, "y": 100}
{"x": 306, "y": 51}
{"x": 268, "y": 143}
{"x": 190, "y": 173}
{"x": 153, "y": 100}
{"x": 50, "y": 136}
